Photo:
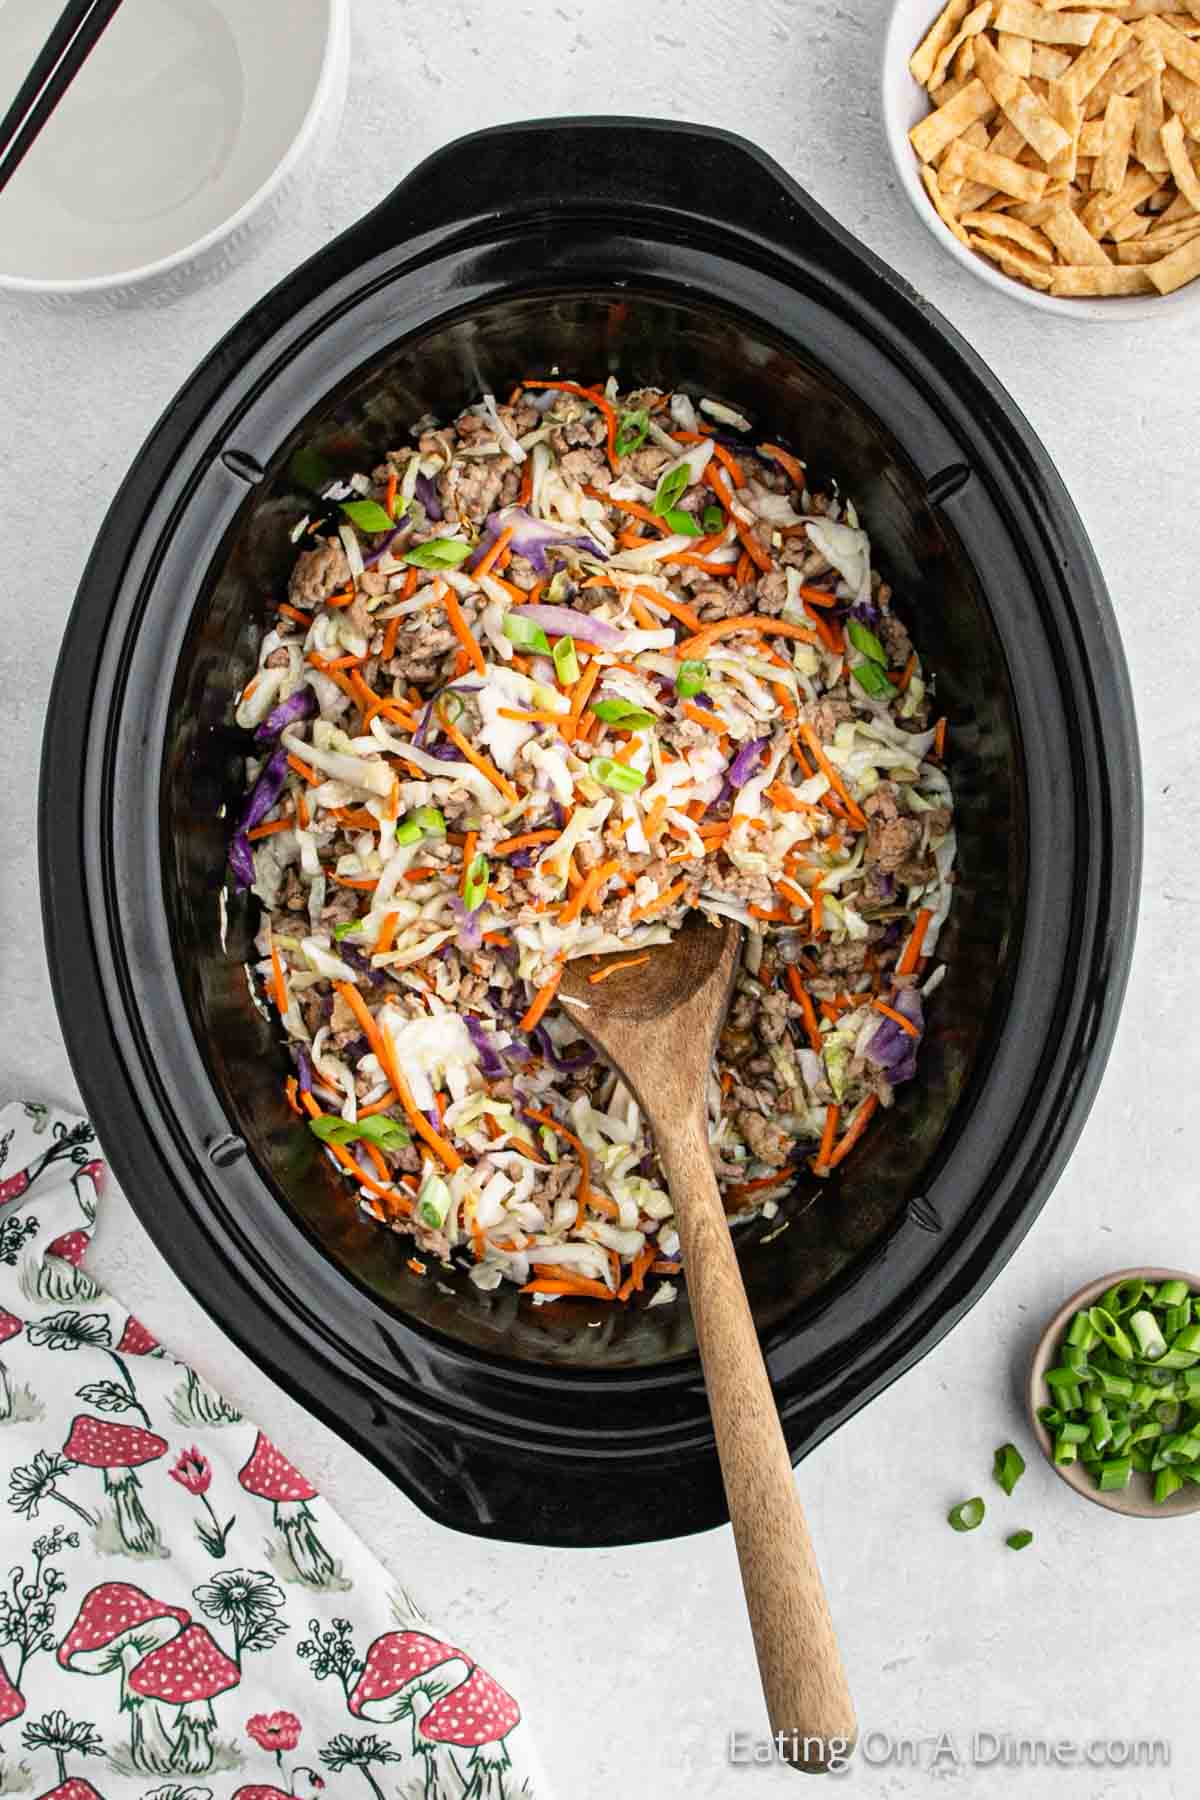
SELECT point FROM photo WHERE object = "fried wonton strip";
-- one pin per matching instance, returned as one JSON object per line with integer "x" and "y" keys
{"x": 1017, "y": 52}
{"x": 974, "y": 22}
{"x": 942, "y": 206}
{"x": 1019, "y": 103}
{"x": 1013, "y": 262}
{"x": 1107, "y": 210}
{"x": 1109, "y": 41}
{"x": 1149, "y": 250}
{"x": 1073, "y": 241}
{"x": 1180, "y": 212}
{"x": 940, "y": 32}
{"x": 1047, "y": 63}
{"x": 1176, "y": 270}
{"x": 1182, "y": 167}
{"x": 1176, "y": 49}
{"x": 1183, "y": 97}
{"x": 1136, "y": 225}
{"x": 931, "y": 135}
{"x": 1064, "y": 112}
{"x": 1151, "y": 113}
{"x": 1091, "y": 138}
{"x": 998, "y": 224}
{"x": 1026, "y": 20}
{"x": 1001, "y": 171}
{"x": 1112, "y": 165}
{"x": 1077, "y": 283}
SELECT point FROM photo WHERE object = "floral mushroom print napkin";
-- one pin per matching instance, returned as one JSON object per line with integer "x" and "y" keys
{"x": 183, "y": 1617}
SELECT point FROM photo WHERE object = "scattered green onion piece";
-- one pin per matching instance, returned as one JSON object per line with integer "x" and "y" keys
{"x": 1168, "y": 1413}
{"x": 525, "y": 634}
{"x": 1111, "y": 1333}
{"x": 437, "y": 553}
{"x": 864, "y": 639}
{"x": 408, "y": 832}
{"x": 1188, "y": 1339}
{"x": 344, "y": 930}
{"x": 1019, "y": 1540}
{"x": 387, "y": 1133}
{"x": 1065, "y": 1449}
{"x": 431, "y": 819}
{"x": 681, "y": 522}
{"x": 1100, "y": 1427}
{"x": 673, "y": 484}
{"x": 1050, "y": 1416}
{"x": 566, "y": 662}
{"x": 872, "y": 680}
{"x": 1008, "y": 1466}
{"x": 451, "y": 706}
{"x": 1175, "y": 1318}
{"x": 1073, "y": 1433}
{"x": 434, "y": 1202}
{"x": 1146, "y": 1431}
{"x": 1113, "y": 1387}
{"x": 1123, "y": 1297}
{"x": 1173, "y": 1293}
{"x": 1166, "y": 1483}
{"x": 632, "y": 430}
{"x": 967, "y": 1515}
{"x": 1122, "y": 1433}
{"x": 475, "y": 885}
{"x": 1082, "y": 1333}
{"x": 1115, "y": 1473}
{"x": 1141, "y": 1459}
{"x": 1093, "y": 1399}
{"x": 368, "y": 515}
{"x": 617, "y": 776}
{"x": 1075, "y": 1358}
{"x": 621, "y": 712}
{"x": 1061, "y": 1376}
{"x": 1175, "y": 1359}
{"x": 691, "y": 679}
{"x": 1147, "y": 1331}
{"x": 712, "y": 519}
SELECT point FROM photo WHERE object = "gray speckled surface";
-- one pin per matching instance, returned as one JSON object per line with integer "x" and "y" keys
{"x": 637, "y": 1663}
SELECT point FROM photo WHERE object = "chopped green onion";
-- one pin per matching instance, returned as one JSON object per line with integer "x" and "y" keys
{"x": 431, "y": 819}
{"x": 682, "y": 522}
{"x": 691, "y": 679}
{"x": 566, "y": 663}
{"x": 1111, "y": 1333}
{"x": 1073, "y": 1433}
{"x": 408, "y": 832}
{"x": 388, "y": 1134}
{"x": 1065, "y": 1448}
{"x": 673, "y": 484}
{"x": 1173, "y": 1293}
{"x": 1113, "y": 1387}
{"x": 621, "y": 712}
{"x": 434, "y": 1202}
{"x": 864, "y": 639}
{"x": 1123, "y": 1297}
{"x": 712, "y": 519}
{"x": 1115, "y": 1473}
{"x": 1175, "y": 1318}
{"x": 525, "y": 634}
{"x": 1075, "y": 1358}
{"x": 617, "y": 776}
{"x": 1166, "y": 1483}
{"x": 1061, "y": 1376}
{"x": 348, "y": 925}
{"x": 872, "y": 680}
{"x": 1100, "y": 1427}
{"x": 1188, "y": 1339}
{"x": 437, "y": 553}
{"x": 1082, "y": 1333}
{"x": 632, "y": 429}
{"x": 476, "y": 883}
{"x": 967, "y": 1515}
{"x": 1019, "y": 1540}
{"x": 451, "y": 706}
{"x": 368, "y": 515}
{"x": 1146, "y": 1330}
{"x": 1008, "y": 1467}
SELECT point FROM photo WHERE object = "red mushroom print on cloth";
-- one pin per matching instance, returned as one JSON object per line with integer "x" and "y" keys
{"x": 182, "y": 1616}
{"x": 116, "y": 1627}
{"x": 404, "y": 1675}
{"x": 479, "y": 1714}
{"x": 187, "y": 1673}
{"x": 118, "y": 1450}
{"x": 269, "y": 1475}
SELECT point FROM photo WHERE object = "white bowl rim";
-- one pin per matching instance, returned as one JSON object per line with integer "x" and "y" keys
{"x": 336, "y": 29}
{"x": 900, "y": 40}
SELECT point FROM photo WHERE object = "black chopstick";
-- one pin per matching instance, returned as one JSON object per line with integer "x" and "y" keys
{"x": 75, "y": 35}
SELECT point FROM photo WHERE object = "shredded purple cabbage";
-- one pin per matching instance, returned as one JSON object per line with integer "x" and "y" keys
{"x": 304, "y": 1069}
{"x": 582, "y": 1058}
{"x": 893, "y": 1049}
{"x": 261, "y": 798}
{"x": 362, "y": 964}
{"x": 564, "y": 621}
{"x": 745, "y": 762}
{"x": 300, "y": 705}
{"x": 382, "y": 549}
{"x": 489, "y": 1061}
{"x": 470, "y": 932}
{"x": 530, "y": 539}
{"x": 427, "y": 494}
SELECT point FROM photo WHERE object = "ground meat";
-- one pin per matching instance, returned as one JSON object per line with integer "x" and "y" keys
{"x": 844, "y": 959}
{"x": 318, "y": 573}
{"x": 590, "y": 467}
{"x": 937, "y": 820}
{"x": 798, "y": 553}
{"x": 472, "y": 490}
{"x": 712, "y": 602}
{"x": 420, "y": 649}
{"x": 551, "y": 1184}
{"x": 827, "y": 714}
{"x": 895, "y": 640}
{"x": 774, "y": 1012}
{"x": 646, "y": 465}
{"x": 764, "y": 1140}
{"x": 771, "y": 592}
{"x": 890, "y": 840}
{"x": 582, "y": 433}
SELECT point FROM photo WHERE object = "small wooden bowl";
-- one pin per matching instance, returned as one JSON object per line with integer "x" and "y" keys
{"x": 1137, "y": 1500}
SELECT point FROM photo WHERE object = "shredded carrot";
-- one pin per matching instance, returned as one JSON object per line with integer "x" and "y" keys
{"x": 488, "y": 561}
{"x": 910, "y": 955}
{"x": 666, "y": 898}
{"x": 645, "y": 620}
{"x": 897, "y": 1018}
{"x": 636, "y": 510}
{"x": 817, "y": 919}
{"x": 366, "y": 882}
{"x": 249, "y": 688}
{"x": 386, "y": 934}
{"x": 702, "y": 563}
{"x": 526, "y": 840}
{"x": 831, "y": 775}
{"x": 744, "y": 571}
{"x": 525, "y": 491}
{"x": 293, "y": 612}
{"x": 468, "y": 857}
{"x": 792, "y": 893}
{"x": 939, "y": 738}
{"x": 629, "y": 962}
{"x": 700, "y": 714}
{"x": 390, "y": 634}
{"x": 754, "y": 549}
{"x": 342, "y": 1155}
{"x": 783, "y": 695}
{"x": 802, "y": 998}
{"x": 303, "y": 770}
{"x": 273, "y": 825}
{"x": 497, "y": 937}
{"x": 541, "y": 1001}
{"x": 854, "y": 1131}
{"x": 665, "y": 1267}
{"x": 778, "y": 915}
{"x": 291, "y": 1088}
{"x": 790, "y": 465}
{"x": 459, "y": 626}
{"x": 910, "y": 669}
{"x": 579, "y": 699}
{"x": 628, "y": 749}
{"x": 816, "y": 596}
{"x": 531, "y": 718}
{"x": 832, "y": 1116}
{"x": 719, "y": 628}
{"x": 480, "y": 762}
{"x": 584, "y": 1192}
{"x": 594, "y": 1290}
{"x": 381, "y": 1045}
{"x": 629, "y": 539}
{"x": 418, "y": 1268}
{"x": 741, "y": 1189}
{"x": 378, "y": 1106}
{"x": 830, "y": 635}
{"x": 637, "y": 1275}
{"x": 389, "y": 496}
{"x": 280, "y": 985}
{"x": 598, "y": 400}
{"x": 342, "y": 598}
{"x": 591, "y": 884}
{"x": 676, "y": 608}
{"x": 654, "y": 818}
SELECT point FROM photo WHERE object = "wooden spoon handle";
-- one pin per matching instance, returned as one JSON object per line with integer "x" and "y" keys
{"x": 799, "y": 1662}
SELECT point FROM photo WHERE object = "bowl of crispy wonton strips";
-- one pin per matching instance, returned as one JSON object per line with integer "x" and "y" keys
{"x": 1053, "y": 146}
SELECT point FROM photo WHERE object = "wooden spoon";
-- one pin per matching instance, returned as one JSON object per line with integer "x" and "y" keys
{"x": 657, "y": 1024}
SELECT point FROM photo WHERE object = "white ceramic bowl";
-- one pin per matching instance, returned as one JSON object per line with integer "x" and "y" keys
{"x": 904, "y": 102}
{"x": 182, "y": 136}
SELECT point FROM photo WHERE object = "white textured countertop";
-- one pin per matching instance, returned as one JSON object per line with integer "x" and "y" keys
{"x": 637, "y": 1663}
